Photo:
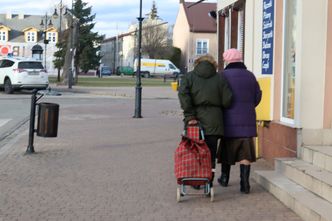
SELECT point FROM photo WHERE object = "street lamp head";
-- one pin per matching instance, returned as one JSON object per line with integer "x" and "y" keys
{"x": 66, "y": 11}
{"x": 50, "y": 23}
{"x": 55, "y": 14}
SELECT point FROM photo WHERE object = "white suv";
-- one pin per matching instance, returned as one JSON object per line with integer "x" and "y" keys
{"x": 22, "y": 73}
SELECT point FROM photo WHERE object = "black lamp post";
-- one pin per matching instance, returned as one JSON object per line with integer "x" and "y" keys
{"x": 55, "y": 15}
{"x": 138, "y": 93}
{"x": 44, "y": 26}
{"x": 70, "y": 75}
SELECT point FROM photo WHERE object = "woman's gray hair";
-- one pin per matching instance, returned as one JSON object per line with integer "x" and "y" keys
{"x": 206, "y": 57}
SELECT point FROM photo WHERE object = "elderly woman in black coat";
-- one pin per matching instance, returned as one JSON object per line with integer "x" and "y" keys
{"x": 203, "y": 94}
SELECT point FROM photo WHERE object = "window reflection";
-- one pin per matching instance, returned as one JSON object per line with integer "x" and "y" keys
{"x": 289, "y": 59}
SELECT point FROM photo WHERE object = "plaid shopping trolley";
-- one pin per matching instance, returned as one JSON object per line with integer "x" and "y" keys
{"x": 192, "y": 162}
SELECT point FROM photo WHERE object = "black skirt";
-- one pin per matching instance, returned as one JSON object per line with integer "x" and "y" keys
{"x": 233, "y": 150}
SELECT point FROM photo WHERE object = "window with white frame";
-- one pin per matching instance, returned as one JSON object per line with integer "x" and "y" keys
{"x": 51, "y": 37}
{"x": 240, "y": 31}
{"x": 31, "y": 36}
{"x": 227, "y": 38}
{"x": 289, "y": 65}
{"x": 202, "y": 46}
{"x": 3, "y": 36}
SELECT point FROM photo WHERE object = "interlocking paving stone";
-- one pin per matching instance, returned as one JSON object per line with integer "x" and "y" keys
{"x": 105, "y": 165}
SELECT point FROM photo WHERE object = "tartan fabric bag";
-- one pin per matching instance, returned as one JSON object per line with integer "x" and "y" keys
{"x": 192, "y": 159}
{"x": 193, "y": 132}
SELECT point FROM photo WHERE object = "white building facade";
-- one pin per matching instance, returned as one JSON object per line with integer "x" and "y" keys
{"x": 19, "y": 33}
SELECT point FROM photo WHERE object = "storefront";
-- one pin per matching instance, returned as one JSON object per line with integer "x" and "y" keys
{"x": 285, "y": 44}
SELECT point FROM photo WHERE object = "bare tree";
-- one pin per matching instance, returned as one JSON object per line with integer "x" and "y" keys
{"x": 154, "y": 40}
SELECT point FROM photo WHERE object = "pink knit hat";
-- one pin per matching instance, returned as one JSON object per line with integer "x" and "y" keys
{"x": 232, "y": 55}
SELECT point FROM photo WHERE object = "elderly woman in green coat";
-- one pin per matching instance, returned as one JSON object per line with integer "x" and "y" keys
{"x": 203, "y": 94}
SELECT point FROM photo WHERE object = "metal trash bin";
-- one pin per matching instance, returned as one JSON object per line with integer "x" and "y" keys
{"x": 48, "y": 118}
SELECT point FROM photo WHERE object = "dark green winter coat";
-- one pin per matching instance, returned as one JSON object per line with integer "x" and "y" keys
{"x": 203, "y": 94}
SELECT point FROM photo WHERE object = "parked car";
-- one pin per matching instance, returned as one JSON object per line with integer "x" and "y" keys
{"x": 22, "y": 73}
{"x": 105, "y": 70}
{"x": 124, "y": 70}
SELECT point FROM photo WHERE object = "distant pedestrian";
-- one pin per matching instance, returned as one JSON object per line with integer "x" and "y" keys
{"x": 239, "y": 119}
{"x": 203, "y": 94}
{"x": 98, "y": 73}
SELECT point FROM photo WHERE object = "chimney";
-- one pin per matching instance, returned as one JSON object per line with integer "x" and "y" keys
{"x": 181, "y": 1}
{"x": 21, "y": 15}
{"x": 8, "y": 15}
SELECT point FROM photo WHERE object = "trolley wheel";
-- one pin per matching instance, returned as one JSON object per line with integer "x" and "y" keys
{"x": 211, "y": 194}
{"x": 178, "y": 194}
{"x": 206, "y": 189}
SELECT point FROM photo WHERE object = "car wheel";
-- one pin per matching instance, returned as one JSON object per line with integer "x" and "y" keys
{"x": 8, "y": 86}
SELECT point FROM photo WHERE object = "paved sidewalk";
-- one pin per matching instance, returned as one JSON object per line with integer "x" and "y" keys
{"x": 105, "y": 165}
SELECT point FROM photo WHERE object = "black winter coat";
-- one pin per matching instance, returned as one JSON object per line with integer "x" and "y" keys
{"x": 203, "y": 94}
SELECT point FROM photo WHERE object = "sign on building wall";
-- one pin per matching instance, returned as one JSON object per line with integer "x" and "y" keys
{"x": 15, "y": 49}
{"x": 7, "y": 49}
{"x": 268, "y": 36}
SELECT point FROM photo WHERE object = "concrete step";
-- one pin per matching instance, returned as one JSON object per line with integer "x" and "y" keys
{"x": 320, "y": 156}
{"x": 307, "y": 205}
{"x": 313, "y": 178}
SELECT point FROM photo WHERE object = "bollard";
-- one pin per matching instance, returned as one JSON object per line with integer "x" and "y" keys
{"x": 174, "y": 86}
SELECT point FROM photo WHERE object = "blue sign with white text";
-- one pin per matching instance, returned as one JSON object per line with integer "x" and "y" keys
{"x": 268, "y": 36}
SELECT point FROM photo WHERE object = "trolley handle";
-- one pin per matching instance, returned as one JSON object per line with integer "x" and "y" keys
{"x": 198, "y": 125}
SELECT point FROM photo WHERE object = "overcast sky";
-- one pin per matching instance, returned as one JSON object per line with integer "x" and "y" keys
{"x": 112, "y": 16}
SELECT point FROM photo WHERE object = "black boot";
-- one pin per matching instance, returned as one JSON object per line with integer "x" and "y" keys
{"x": 244, "y": 175}
{"x": 224, "y": 178}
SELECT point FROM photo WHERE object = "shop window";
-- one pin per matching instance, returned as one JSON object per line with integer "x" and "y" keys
{"x": 3, "y": 36}
{"x": 289, "y": 65}
{"x": 240, "y": 31}
{"x": 202, "y": 47}
{"x": 227, "y": 40}
{"x": 234, "y": 27}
